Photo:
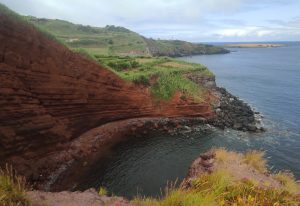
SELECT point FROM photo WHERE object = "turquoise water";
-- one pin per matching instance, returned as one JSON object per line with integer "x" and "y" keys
{"x": 268, "y": 79}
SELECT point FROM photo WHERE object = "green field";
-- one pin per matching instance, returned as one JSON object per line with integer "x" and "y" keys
{"x": 114, "y": 40}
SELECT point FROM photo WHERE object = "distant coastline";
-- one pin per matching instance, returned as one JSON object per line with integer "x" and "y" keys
{"x": 263, "y": 45}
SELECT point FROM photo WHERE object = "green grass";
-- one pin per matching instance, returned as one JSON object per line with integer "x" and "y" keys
{"x": 8, "y": 12}
{"x": 85, "y": 54}
{"x": 12, "y": 188}
{"x": 168, "y": 74}
{"x": 106, "y": 40}
{"x": 168, "y": 84}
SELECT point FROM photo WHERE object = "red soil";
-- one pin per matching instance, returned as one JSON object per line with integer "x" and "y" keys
{"x": 49, "y": 96}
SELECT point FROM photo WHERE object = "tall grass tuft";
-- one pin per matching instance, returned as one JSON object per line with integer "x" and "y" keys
{"x": 256, "y": 160}
{"x": 288, "y": 182}
{"x": 102, "y": 191}
{"x": 12, "y": 188}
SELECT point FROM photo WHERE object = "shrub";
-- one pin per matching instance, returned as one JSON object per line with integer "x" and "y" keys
{"x": 142, "y": 79}
{"x": 134, "y": 64}
{"x": 111, "y": 41}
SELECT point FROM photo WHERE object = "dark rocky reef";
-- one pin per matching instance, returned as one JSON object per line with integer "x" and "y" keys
{"x": 234, "y": 113}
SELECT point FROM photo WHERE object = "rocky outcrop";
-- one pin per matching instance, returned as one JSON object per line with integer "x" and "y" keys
{"x": 231, "y": 112}
{"x": 50, "y": 96}
{"x": 234, "y": 113}
{"x": 233, "y": 163}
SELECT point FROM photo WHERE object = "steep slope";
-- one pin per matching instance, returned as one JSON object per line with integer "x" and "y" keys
{"x": 49, "y": 96}
{"x": 114, "y": 40}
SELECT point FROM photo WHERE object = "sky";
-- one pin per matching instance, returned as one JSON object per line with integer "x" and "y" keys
{"x": 191, "y": 20}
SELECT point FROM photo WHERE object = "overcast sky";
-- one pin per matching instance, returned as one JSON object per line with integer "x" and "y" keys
{"x": 192, "y": 20}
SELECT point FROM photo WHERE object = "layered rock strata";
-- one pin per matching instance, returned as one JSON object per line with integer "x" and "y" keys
{"x": 50, "y": 96}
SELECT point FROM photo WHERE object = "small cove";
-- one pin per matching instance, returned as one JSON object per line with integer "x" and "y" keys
{"x": 268, "y": 79}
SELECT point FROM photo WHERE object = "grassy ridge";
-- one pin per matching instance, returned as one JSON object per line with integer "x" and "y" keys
{"x": 114, "y": 40}
{"x": 107, "y": 40}
{"x": 175, "y": 48}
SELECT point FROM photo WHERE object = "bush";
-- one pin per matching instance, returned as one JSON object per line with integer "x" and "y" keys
{"x": 142, "y": 80}
{"x": 168, "y": 84}
{"x": 119, "y": 65}
{"x": 110, "y": 41}
{"x": 134, "y": 64}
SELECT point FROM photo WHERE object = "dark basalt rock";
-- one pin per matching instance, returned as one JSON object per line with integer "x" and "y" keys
{"x": 231, "y": 112}
{"x": 234, "y": 113}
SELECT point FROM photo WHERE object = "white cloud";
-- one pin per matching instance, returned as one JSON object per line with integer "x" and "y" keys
{"x": 243, "y": 32}
{"x": 194, "y": 20}
{"x": 257, "y": 33}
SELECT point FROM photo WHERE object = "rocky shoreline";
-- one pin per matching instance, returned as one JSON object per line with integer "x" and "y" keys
{"x": 231, "y": 112}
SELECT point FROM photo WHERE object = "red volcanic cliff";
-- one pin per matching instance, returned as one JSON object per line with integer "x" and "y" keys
{"x": 50, "y": 95}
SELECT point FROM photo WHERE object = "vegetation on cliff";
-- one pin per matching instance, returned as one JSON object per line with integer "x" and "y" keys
{"x": 234, "y": 180}
{"x": 164, "y": 76}
{"x": 115, "y": 40}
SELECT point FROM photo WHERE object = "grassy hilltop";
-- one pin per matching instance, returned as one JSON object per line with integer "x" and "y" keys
{"x": 114, "y": 40}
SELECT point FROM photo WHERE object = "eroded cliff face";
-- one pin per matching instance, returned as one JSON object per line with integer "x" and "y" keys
{"x": 50, "y": 95}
